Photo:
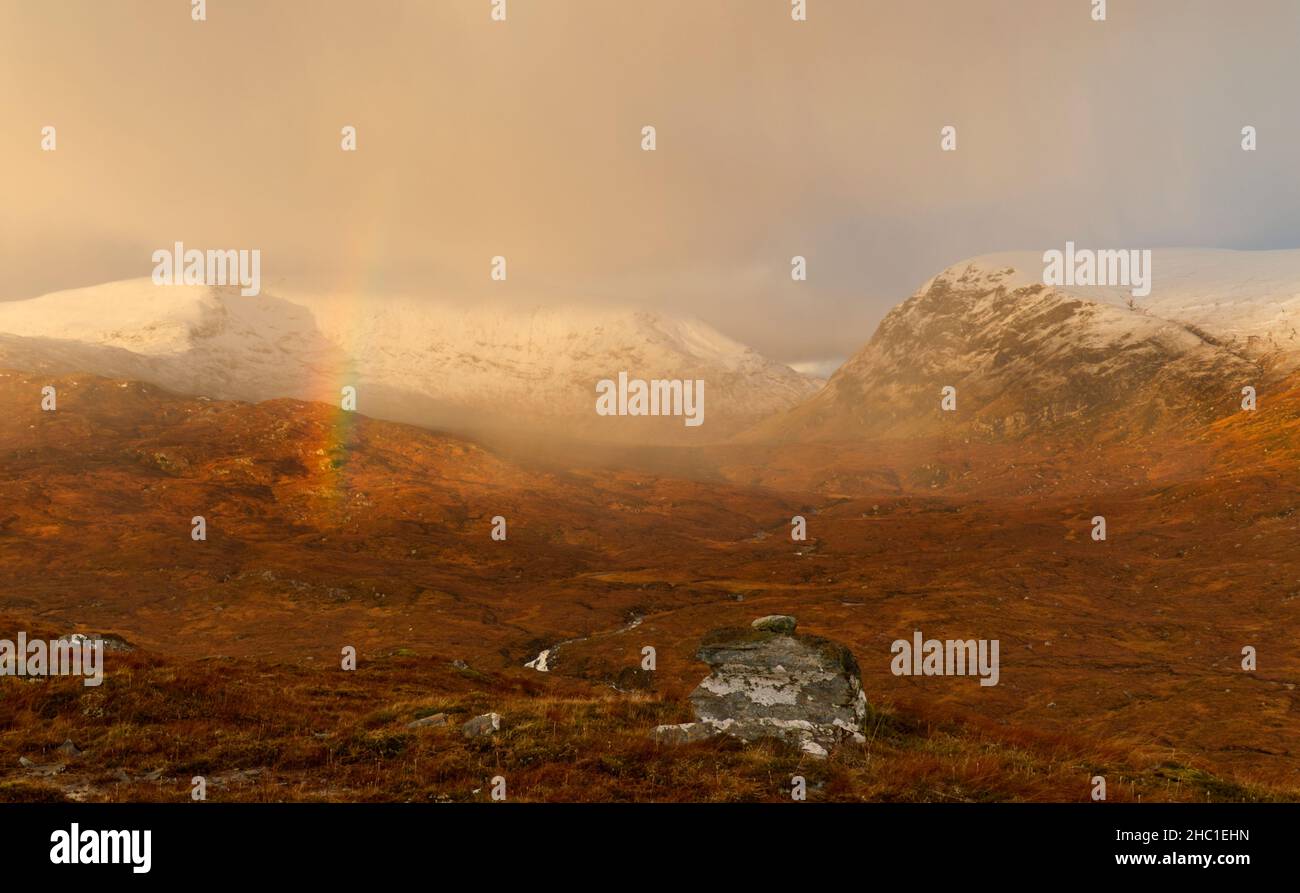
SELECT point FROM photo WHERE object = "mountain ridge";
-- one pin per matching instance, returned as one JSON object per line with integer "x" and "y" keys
{"x": 411, "y": 360}
{"x": 1024, "y": 356}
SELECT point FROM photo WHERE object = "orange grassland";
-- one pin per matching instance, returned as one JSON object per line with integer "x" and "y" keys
{"x": 1119, "y": 658}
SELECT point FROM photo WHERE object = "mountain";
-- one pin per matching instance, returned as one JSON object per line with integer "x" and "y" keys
{"x": 1024, "y": 356}
{"x": 415, "y": 361}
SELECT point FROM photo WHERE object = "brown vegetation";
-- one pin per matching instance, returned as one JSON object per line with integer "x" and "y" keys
{"x": 1119, "y": 658}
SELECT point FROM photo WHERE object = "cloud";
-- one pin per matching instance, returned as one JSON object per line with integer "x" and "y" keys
{"x": 522, "y": 139}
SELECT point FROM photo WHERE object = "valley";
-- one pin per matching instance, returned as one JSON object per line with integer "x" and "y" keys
{"x": 328, "y": 530}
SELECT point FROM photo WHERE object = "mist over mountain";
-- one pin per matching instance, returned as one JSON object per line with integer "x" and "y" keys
{"x": 480, "y": 367}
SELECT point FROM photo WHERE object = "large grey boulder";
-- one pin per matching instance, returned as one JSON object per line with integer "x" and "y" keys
{"x": 768, "y": 682}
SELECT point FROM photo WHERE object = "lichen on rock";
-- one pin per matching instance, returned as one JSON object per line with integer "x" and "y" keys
{"x": 768, "y": 682}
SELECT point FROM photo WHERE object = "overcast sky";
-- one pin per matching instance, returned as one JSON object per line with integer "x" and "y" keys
{"x": 523, "y": 139}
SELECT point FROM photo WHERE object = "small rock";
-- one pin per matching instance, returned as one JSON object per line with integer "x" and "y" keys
{"x": 683, "y": 733}
{"x": 481, "y": 726}
{"x": 235, "y": 777}
{"x": 39, "y": 770}
{"x": 460, "y": 664}
{"x": 117, "y": 643}
{"x": 813, "y": 749}
{"x": 775, "y": 623}
{"x": 107, "y": 641}
{"x": 437, "y": 719}
{"x": 68, "y": 748}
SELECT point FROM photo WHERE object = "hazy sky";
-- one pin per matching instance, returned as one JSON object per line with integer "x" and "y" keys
{"x": 523, "y": 139}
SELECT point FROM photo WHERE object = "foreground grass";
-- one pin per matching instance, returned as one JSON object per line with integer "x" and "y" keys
{"x": 260, "y": 733}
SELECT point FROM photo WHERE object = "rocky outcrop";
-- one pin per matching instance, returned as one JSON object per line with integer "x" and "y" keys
{"x": 1027, "y": 358}
{"x": 769, "y": 682}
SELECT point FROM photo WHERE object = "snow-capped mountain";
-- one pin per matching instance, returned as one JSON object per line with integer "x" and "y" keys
{"x": 411, "y": 360}
{"x": 1023, "y": 355}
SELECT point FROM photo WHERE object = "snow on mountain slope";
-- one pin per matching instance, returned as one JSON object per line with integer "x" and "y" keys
{"x": 1247, "y": 300}
{"x": 1024, "y": 356}
{"x": 410, "y": 360}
